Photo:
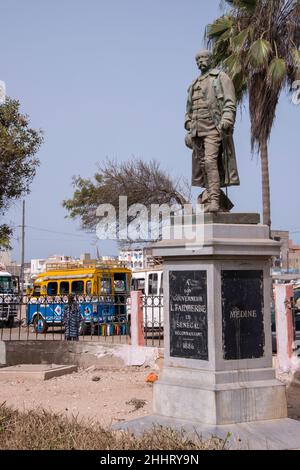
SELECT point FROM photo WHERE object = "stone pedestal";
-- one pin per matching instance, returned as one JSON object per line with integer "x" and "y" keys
{"x": 218, "y": 354}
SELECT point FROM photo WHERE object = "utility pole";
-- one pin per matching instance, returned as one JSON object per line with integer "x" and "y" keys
{"x": 22, "y": 250}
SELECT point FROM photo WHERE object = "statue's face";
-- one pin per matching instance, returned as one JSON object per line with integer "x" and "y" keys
{"x": 203, "y": 62}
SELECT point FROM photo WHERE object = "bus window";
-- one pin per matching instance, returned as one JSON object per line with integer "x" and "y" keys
{"x": 88, "y": 287}
{"x": 105, "y": 284}
{"x": 64, "y": 288}
{"x": 52, "y": 288}
{"x": 120, "y": 282}
{"x": 36, "y": 291}
{"x": 153, "y": 284}
{"x": 6, "y": 286}
{"x": 78, "y": 287}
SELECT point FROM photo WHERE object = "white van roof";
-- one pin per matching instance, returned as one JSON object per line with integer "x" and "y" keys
{"x": 147, "y": 270}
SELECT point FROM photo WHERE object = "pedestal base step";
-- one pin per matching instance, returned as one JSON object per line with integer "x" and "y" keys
{"x": 179, "y": 395}
{"x": 277, "y": 434}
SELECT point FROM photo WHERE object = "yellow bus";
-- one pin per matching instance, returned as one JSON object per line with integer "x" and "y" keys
{"x": 101, "y": 289}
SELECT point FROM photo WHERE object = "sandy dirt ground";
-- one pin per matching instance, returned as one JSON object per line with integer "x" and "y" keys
{"x": 108, "y": 396}
{"x": 103, "y": 395}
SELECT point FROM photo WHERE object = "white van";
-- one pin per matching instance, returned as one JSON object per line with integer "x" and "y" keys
{"x": 9, "y": 302}
{"x": 150, "y": 283}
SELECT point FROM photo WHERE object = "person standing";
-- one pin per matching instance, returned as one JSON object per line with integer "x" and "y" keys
{"x": 72, "y": 319}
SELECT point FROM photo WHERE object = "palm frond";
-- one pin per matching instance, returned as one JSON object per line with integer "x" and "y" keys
{"x": 259, "y": 53}
{"x": 219, "y": 27}
{"x": 241, "y": 87}
{"x": 276, "y": 72}
{"x": 248, "y": 5}
{"x": 261, "y": 63}
{"x": 296, "y": 57}
{"x": 257, "y": 43}
{"x": 233, "y": 65}
{"x": 239, "y": 41}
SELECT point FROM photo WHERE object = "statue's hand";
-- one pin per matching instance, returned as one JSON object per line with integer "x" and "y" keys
{"x": 188, "y": 126}
{"x": 226, "y": 126}
{"x": 189, "y": 141}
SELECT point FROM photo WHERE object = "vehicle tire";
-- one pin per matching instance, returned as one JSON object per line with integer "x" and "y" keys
{"x": 39, "y": 324}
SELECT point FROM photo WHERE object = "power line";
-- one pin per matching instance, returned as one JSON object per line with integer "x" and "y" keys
{"x": 56, "y": 232}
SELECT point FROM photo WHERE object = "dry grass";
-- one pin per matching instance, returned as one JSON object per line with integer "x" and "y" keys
{"x": 42, "y": 430}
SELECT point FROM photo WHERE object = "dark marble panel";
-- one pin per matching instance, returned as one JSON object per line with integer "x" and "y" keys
{"x": 188, "y": 314}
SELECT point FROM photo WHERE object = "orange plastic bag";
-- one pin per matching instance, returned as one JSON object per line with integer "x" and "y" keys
{"x": 152, "y": 377}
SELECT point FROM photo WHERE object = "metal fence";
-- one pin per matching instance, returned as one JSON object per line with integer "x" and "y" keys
{"x": 153, "y": 320}
{"x": 102, "y": 318}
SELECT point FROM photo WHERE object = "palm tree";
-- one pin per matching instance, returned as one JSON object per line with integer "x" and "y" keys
{"x": 257, "y": 43}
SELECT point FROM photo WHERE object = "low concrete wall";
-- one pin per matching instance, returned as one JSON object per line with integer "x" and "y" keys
{"x": 2, "y": 354}
{"x": 83, "y": 354}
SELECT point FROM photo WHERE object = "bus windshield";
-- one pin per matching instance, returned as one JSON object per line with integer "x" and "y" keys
{"x": 120, "y": 282}
{"x": 6, "y": 285}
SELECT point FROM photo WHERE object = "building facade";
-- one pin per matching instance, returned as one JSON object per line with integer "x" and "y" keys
{"x": 289, "y": 258}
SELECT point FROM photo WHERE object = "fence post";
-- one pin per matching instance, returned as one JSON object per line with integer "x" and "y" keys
{"x": 284, "y": 326}
{"x": 137, "y": 320}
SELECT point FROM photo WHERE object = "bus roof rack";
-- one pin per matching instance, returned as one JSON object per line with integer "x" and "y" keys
{"x": 91, "y": 264}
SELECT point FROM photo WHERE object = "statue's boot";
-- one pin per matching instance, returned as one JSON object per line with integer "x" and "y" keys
{"x": 213, "y": 206}
{"x": 213, "y": 188}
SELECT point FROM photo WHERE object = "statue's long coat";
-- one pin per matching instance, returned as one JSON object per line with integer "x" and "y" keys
{"x": 221, "y": 101}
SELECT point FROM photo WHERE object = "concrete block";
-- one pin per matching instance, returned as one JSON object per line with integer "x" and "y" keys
{"x": 35, "y": 371}
{"x": 2, "y": 353}
{"x": 220, "y": 404}
{"x": 82, "y": 353}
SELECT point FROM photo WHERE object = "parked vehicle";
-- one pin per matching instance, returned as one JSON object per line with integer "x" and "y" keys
{"x": 9, "y": 301}
{"x": 150, "y": 283}
{"x": 100, "y": 289}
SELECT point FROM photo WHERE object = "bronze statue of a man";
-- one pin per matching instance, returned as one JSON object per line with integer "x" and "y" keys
{"x": 210, "y": 118}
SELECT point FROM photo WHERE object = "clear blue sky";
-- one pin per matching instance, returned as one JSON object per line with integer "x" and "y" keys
{"x": 109, "y": 78}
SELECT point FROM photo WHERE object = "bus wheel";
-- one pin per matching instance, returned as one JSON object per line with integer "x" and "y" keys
{"x": 92, "y": 329}
{"x": 39, "y": 324}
